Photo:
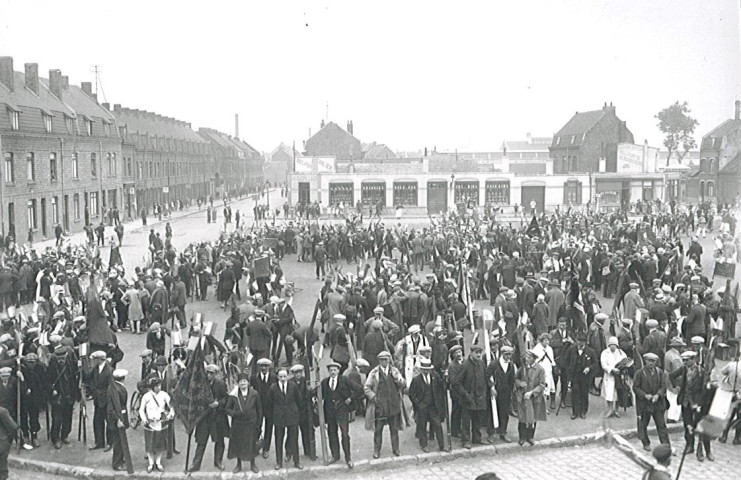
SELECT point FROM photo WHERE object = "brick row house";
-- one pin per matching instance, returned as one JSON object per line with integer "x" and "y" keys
{"x": 60, "y": 152}
{"x": 237, "y": 165}
{"x": 68, "y": 159}
{"x": 164, "y": 160}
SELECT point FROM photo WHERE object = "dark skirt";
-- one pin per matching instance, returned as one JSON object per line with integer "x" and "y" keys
{"x": 155, "y": 440}
{"x": 243, "y": 441}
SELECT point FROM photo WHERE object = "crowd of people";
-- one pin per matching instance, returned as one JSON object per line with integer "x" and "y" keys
{"x": 401, "y": 328}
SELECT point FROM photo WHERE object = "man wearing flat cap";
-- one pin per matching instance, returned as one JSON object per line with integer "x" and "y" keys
{"x": 61, "y": 380}
{"x": 118, "y": 417}
{"x": 692, "y": 397}
{"x": 472, "y": 387}
{"x": 503, "y": 371}
{"x": 261, "y": 380}
{"x": 649, "y": 387}
{"x": 214, "y": 424}
{"x": 383, "y": 388}
{"x": 338, "y": 392}
{"x": 32, "y": 398}
{"x": 98, "y": 374}
{"x": 655, "y": 341}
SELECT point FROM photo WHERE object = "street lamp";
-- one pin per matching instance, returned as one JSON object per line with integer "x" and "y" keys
{"x": 267, "y": 192}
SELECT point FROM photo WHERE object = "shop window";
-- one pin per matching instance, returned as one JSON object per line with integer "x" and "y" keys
{"x": 497, "y": 192}
{"x": 405, "y": 194}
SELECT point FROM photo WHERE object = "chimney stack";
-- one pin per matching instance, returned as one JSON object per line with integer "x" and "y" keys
{"x": 65, "y": 82}
{"x": 738, "y": 110}
{"x": 6, "y": 72}
{"x": 116, "y": 107}
{"x": 349, "y": 127}
{"x": 87, "y": 88}
{"x": 236, "y": 126}
{"x": 32, "y": 77}
{"x": 107, "y": 106}
{"x": 55, "y": 83}
{"x": 322, "y": 124}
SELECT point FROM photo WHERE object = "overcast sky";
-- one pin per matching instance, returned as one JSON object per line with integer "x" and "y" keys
{"x": 450, "y": 74}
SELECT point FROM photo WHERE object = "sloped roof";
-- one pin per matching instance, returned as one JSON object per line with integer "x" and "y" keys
{"x": 729, "y": 126}
{"x": 282, "y": 148}
{"x": 525, "y": 146}
{"x": 581, "y": 122}
{"x": 22, "y": 97}
{"x": 380, "y": 151}
{"x": 331, "y": 128}
{"x": 733, "y": 167}
{"x": 147, "y": 123}
{"x": 80, "y": 102}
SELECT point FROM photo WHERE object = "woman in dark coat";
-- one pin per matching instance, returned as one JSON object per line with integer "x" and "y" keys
{"x": 226, "y": 284}
{"x": 245, "y": 408}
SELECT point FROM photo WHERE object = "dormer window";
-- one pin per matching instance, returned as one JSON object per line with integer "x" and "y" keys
{"x": 69, "y": 123}
{"x": 573, "y": 139}
{"x": 48, "y": 124}
{"x": 15, "y": 119}
{"x": 88, "y": 127}
{"x": 558, "y": 140}
{"x": 107, "y": 129}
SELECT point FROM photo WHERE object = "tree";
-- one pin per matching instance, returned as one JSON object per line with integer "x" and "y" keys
{"x": 678, "y": 126}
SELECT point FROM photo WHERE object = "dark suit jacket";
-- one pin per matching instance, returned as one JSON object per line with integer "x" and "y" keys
{"x": 214, "y": 423}
{"x": 503, "y": 382}
{"x": 101, "y": 380}
{"x": 260, "y": 335}
{"x": 575, "y": 363}
{"x": 334, "y": 401}
{"x": 284, "y": 408}
{"x": 116, "y": 407}
{"x": 263, "y": 387}
{"x": 692, "y": 391}
{"x": 428, "y": 397}
{"x": 645, "y": 384}
{"x": 8, "y": 429}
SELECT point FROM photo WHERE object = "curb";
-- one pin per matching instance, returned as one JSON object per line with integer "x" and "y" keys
{"x": 320, "y": 471}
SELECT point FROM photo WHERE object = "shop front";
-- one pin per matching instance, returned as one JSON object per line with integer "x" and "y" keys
{"x": 405, "y": 194}
{"x": 467, "y": 192}
{"x": 497, "y": 192}
{"x": 373, "y": 193}
{"x": 341, "y": 192}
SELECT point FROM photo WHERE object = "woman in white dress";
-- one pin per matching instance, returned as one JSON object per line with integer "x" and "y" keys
{"x": 545, "y": 357}
{"x": 609, "y": 360}
{"x": 156, "y": 413}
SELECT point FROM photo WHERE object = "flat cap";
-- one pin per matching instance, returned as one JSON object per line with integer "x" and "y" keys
{"x": 383, "y": 354}
{"x": 264, "y": 361}
{"x": 98, "y": 354}
{"x": 688, "y": 354}
{"x": 697, "y": 339}
{"x": 650, "y": 356}
{"x": 120, "y": 373}
{"x": 651, "y": 323}
{"x": 414, "y": 329}
{"x": 211, "y": 368}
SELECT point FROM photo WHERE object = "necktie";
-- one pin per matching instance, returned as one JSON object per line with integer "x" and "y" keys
{"x": 333, "y": 384}
{"x": 427, "y": 379}
{"x": 283, "y": 387}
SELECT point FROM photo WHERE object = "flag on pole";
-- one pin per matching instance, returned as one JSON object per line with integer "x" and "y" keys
{"x": 727, "y": 270}
{"x": 191, "y": 396}
{"x": 534, "y": 229}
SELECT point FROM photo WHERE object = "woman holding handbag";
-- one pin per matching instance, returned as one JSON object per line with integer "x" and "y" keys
{"x": 245, "y": 408}
{"x": 156, "y": 414}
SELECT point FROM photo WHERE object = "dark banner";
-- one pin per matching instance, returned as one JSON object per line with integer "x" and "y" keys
{"x": 724, "y": 270}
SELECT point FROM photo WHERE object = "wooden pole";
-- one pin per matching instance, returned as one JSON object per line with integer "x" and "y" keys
{"x": 322, "y": 426}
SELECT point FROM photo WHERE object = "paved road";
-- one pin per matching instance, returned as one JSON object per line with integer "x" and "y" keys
{"x": 194, "y": 228}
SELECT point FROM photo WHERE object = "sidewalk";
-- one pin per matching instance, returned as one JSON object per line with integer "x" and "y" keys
{"x": 245, "y": 204}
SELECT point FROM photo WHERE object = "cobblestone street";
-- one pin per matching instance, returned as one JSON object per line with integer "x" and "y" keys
{"x": 574, "y": 463}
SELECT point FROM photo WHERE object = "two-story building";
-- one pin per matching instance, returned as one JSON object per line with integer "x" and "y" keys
{"x": 61, "y": 154}
{"x": 719, "y": 175}
{"x": 164, "y": 160}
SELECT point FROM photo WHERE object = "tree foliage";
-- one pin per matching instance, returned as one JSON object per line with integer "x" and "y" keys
{"x": 678, "y": 127}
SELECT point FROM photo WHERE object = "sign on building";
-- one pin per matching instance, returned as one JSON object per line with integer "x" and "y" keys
{"x": 315, "y": 165}
{"x": 632, "y": 158}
